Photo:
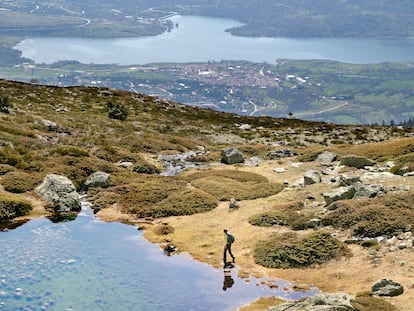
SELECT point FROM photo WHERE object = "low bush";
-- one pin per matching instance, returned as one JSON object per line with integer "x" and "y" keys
{"x": 385, "y": 216}
{"x": 287, "y": 214}
{"x": 365, "y": 302}
{"x": 163, "y": 229}
{"x": 19, "y": 182}
{"x": 146, "y": 168}
{"x": 269, "y": 219}
{"x": 289, "y": 250}
{"x": 12, "y": 206}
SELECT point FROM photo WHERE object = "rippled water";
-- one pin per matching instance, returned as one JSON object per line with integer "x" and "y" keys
{"x": 91, "y": 265}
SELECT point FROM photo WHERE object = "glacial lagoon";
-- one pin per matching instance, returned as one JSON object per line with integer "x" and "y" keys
{"x": 88, "y": 264}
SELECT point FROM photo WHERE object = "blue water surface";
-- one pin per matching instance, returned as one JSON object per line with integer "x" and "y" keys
{"x": 88, "y": 264}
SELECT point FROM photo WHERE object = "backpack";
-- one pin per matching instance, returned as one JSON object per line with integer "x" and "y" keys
{"x": 230, "y": 238}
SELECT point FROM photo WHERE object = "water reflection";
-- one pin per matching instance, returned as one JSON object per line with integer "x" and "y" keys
{"x": 87, "y": 264}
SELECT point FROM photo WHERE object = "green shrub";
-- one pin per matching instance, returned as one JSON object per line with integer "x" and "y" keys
{"x": 4, "y": 104}
{"x": 385, "y": 216}
{"x": 12, "y": 206}
{"x": 19, "y": 182}
{"x": 288, "y": 250}
{"x": 268, "y": 219}
{"x": 117, "y": 111}
{"x": 146, "y": 168}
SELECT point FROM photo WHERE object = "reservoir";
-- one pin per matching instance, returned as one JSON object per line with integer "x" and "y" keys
{"x": 88, "y": 264}
{"x": 203, "y": 39}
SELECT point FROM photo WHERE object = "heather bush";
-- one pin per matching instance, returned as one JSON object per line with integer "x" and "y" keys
{"x": 12, "y": 206}
{"x": 289, "y": 250}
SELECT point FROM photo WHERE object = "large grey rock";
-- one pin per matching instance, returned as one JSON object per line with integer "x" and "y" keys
{"x": 98, "y": 179}
{"x": 341, "y": 193}
{"x": 312, "y": 177}
{"x": 320, "y": 302}
{"x": 326, "y": 157}
{"x": 369, "y": 191}
{"x": 60, "y": 191}
{"x": 231, "y": 156}
{"x": 281, "y": 153}
{"x": 385, "y": 287}
{"x": 356, "y": 161}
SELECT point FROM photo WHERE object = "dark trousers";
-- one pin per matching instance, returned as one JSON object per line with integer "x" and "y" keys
{"x": 227, "y": 248}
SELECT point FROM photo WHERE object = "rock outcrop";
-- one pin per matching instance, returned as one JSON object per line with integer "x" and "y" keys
{"x": 356, "y": 161}
{"x": 326, "y": 157}
{"x": 320, "y": 302}
{"x": 311, "y": 177}
{"x": 385, "y": 287}
{"x": 60, "y": 191}
{"x": 231, "y": 156}
{"x": 341, "y": 193}
{"x": 281, "y": 153}
{"x": 98, "y": 179}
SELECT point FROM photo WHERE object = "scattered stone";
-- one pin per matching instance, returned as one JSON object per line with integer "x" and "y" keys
{"x": 403, "y": 170}
{"x": 280, "y": 170}
{"x": 341, "y": 193}
{"x": 98, "y": 179}
{"x": 254, "y": 161}
{"x": 125, "y": 164}
{"x": 369, "y": 191}
{"x": 231, "y": 156}
{"x": 312, "y": 177}
{"x": 348, "y": 180}
{"x": 385, "y": 287}
{"x": 245, "y": 127}
{"x": 377, "y": 175}
{"x": 281, "y": 153}
{"x": 60, "y": 191}
{"x": 233, "y": 204}
{"x": 326, "y": 157}
{"x": 356, "y": 161}
{"x": 51, "y": 126}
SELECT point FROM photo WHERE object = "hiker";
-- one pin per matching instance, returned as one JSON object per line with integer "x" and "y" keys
{"x": 229, "y": 239}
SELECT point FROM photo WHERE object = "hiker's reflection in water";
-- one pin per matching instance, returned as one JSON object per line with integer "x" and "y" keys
{"x": 228, "y": 280}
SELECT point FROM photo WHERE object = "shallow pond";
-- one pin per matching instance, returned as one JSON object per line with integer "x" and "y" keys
{"x": 88, "y": 264}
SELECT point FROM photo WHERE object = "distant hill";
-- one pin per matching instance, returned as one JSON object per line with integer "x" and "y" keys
{"x": 287, "y": 18}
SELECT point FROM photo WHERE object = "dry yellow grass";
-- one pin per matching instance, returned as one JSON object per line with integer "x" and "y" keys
{"x": 201, "y": 235}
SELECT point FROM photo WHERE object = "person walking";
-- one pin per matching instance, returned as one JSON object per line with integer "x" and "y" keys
{"x": 229, "y": 239}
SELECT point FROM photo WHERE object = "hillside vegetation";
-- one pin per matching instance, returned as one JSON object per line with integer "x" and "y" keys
{"x": 76, "y": 131}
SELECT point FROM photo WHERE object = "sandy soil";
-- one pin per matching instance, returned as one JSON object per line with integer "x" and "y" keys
{"x": 201, "y": 235}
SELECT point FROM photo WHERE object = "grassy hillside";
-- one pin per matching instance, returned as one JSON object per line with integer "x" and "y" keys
{"x": 71, "y": 131}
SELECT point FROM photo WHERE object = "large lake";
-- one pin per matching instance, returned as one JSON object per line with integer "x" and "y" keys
{"x": 87, "y": 264}
{"x": 202, "y": 39}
